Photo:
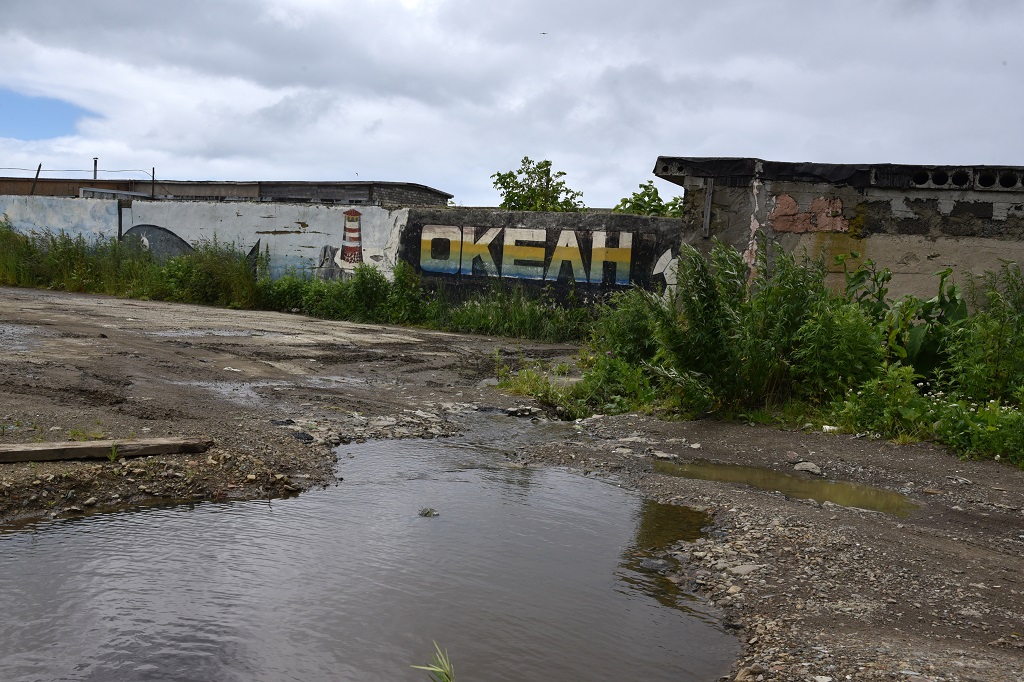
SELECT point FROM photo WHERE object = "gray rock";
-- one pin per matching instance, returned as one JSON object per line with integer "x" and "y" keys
{"x": 655, "y": 564}
{"x": 429, "y": 512}
{"x": 90, "y": 502}
{"x": 745, "y": 569}
{"x": 809, "y": 467}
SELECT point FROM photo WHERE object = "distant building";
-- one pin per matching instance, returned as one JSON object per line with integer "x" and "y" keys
{"x": 372, "y": 193}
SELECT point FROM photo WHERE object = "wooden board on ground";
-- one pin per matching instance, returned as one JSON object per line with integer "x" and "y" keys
{"x": 101, "y": 449}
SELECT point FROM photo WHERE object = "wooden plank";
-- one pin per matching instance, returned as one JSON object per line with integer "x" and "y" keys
{"x": 101, "y": 449}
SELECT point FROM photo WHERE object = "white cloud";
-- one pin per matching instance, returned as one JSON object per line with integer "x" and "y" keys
{"x": 447, "y": 92}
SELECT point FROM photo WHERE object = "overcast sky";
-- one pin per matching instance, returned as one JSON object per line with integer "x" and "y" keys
{"x": 446, "y": 92}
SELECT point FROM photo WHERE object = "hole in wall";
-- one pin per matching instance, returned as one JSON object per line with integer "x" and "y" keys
{"x": 664, "y": 169}
{"x": 987, "y": 179}
{"x": 961, "y": 178}
{"x": 1008, "y": 179}
{"x": 940, "y": 177}
{"x": 920, "y": 177}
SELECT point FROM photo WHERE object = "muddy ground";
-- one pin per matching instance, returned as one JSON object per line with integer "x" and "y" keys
{"x": 814, "y": 591}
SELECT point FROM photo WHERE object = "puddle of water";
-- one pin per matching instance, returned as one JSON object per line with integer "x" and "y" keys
{"x": 18, "y": 338}
{"x": 839, "y": 492}
{"x": 243, "y": 392}
{"x": 527, "y": 574}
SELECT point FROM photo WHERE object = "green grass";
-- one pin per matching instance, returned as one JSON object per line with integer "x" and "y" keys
{"x": 217, "y": 274}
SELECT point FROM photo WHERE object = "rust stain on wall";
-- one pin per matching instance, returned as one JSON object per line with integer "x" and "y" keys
{"x": 825, "y": 214}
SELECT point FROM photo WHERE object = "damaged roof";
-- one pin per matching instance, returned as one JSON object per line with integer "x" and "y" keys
{"x": 739, "y": 171}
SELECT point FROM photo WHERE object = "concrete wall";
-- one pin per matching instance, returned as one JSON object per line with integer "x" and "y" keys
{"x": 914, "y": 220}
{"x": 588, "y": 253}
{"x": 306, "y": 237}
{"x": 91, "y": 218}
{"x": 591, "y": 253}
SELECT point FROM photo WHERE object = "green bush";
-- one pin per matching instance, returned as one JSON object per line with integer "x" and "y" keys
{"x": 889, "y": 405}
{"x": 986, "y": 351}
{"x": 736, "y": 331}
{"x": 837, "y": 348}
{"x": 328, "y": 300}
{"x": 985, "y": 429}
{"x": 284, "y": 293}
{"x": 366, "y": 294}
{"x": 405, "y": 301}
{"x": 213, "y": 274}
{"x": 627, "y": 326}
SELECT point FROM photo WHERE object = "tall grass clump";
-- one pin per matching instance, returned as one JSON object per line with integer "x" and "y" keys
{"x": 510, "y": 310}
{"x": 213, "y": 273}
{"x": 368, "y": 296}
{"x": 986, "y": 353}
{"x": 60, "y": 261}
{"x": 744, "y": 338}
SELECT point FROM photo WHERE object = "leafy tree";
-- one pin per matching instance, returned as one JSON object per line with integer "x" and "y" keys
{"x": 533, "y": 187}
{"x": 648, "y": 202}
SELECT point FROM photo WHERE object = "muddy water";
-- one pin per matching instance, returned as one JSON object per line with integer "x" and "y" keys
{"x": 525, "y": 575}
{"x": 838, "y": 492}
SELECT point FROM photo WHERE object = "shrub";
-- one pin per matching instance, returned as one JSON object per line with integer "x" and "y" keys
{"x": 889, "y": 405}
{"x": 837, "y": 348}
{"x": 405, "y": 303}
{"x": 986, "y": 352}
{"x": 985, "y": 429}
{"x": 627, "y": 326}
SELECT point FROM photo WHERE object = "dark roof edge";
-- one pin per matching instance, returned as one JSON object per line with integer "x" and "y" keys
{"x": 746, "y": 169}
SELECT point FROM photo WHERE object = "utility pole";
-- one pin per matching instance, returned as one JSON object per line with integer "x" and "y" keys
{"x": 35, "y": 179}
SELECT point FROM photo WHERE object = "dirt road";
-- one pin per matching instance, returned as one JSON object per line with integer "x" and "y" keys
{"x": 815, "y": 591}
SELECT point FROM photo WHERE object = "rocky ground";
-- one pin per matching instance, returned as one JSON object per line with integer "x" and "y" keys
{"x": 820, "y": 591}
{"x": 815, "y": 591}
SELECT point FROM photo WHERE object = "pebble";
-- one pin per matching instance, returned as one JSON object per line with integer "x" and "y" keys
{"x": 809, "y": 467}
{"x": 745, "y": 569}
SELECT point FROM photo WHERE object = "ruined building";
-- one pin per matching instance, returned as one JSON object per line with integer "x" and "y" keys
{"x": 915, "y": 220}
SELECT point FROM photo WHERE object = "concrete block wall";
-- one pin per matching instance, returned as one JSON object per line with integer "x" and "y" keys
{"x": 915, "y": 220}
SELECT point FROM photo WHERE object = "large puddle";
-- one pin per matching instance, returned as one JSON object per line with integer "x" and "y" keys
{"x": 525, "y": 575}
{"x": 838, "y": 492}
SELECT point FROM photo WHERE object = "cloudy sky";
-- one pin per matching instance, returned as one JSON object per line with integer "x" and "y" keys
{"x": 446, "y": 92}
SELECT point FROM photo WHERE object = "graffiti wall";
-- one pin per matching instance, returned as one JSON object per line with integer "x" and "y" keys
{"x": 588, "y": 251}
{"x": 592, "y": 252}
{"x": 322, "y": 240}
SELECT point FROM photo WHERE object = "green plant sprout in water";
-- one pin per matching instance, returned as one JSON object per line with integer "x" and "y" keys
{"x": 441, "y": 670}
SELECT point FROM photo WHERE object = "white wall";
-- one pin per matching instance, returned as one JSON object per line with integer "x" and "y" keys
{"x": 91, "y": 218}
{"x": 293, "y": 233}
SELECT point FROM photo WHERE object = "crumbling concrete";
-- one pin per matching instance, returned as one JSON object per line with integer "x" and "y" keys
{"x": 915, "y": 220}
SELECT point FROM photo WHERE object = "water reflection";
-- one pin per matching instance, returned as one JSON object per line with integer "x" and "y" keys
{"x": 522, "y": 576}
{"x": 658, "y": 526}
{"x": 838, "y": 492}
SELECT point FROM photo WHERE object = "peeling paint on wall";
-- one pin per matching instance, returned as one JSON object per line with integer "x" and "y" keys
{"x": 825, "y": 214}
{"x": 310, "y": 250}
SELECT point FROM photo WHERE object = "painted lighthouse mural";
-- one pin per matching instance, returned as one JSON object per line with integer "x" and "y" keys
{"x": 340, "y": 263}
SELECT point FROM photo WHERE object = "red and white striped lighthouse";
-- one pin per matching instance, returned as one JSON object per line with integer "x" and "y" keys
{"x": 351, "y": 244}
